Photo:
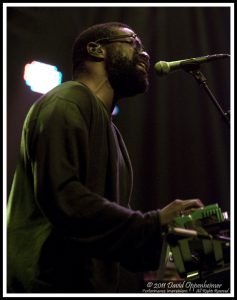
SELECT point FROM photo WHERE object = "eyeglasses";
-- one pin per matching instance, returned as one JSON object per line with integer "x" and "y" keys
{"x": 125, "y": 38}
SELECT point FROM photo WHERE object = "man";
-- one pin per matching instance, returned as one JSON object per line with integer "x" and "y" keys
{"x": 70, "y": 226}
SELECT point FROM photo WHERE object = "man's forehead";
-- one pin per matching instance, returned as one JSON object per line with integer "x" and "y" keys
{"x": 125, "y": 30}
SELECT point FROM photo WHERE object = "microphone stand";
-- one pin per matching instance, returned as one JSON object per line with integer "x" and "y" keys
{"x": 194, "y": 69}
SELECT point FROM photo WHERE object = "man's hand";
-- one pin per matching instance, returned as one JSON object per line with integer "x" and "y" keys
{"x": 177, "y": 208}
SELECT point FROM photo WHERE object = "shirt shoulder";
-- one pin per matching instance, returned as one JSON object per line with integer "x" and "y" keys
{"x": 67, "y": 101}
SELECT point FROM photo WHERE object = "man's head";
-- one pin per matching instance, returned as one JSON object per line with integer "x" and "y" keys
{"x": 120, "y": 50}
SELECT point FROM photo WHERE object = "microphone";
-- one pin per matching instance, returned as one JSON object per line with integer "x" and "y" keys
{"x": 163, "y": 67}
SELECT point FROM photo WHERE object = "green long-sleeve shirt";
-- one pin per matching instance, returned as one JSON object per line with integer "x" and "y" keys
{"x": 69, "y": 221}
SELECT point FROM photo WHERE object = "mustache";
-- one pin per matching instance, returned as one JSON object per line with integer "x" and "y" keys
{"x": 139, "y": 58}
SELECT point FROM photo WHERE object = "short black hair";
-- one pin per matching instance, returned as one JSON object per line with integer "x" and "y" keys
{"x": 93, "y": 33}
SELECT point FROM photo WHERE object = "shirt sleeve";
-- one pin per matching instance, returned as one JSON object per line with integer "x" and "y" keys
{"x": 58, "y": 148}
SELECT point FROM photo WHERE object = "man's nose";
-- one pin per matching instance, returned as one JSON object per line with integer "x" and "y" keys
{"x": 144, "y": 56}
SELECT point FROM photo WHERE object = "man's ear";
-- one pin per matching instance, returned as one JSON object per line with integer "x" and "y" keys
{"x": 95, "y": 50}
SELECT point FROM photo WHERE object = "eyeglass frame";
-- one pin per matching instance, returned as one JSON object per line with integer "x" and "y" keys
{"x": 117, "y": 39}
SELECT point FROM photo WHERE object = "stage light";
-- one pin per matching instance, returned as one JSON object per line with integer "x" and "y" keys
{"x": 41, "y": 77}
{"x": 115, "y": 111}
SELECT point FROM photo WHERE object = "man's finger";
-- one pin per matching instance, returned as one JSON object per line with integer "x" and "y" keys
{"x": 192, "y": 203}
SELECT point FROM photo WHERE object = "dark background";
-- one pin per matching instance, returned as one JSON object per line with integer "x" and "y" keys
{"x": 178, "y": 143}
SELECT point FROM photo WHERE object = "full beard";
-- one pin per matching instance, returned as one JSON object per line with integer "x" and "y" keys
{"x": 124, "y": 76}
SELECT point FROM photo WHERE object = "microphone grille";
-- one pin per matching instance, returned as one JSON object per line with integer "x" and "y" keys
{"x": 162, "y": 68}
